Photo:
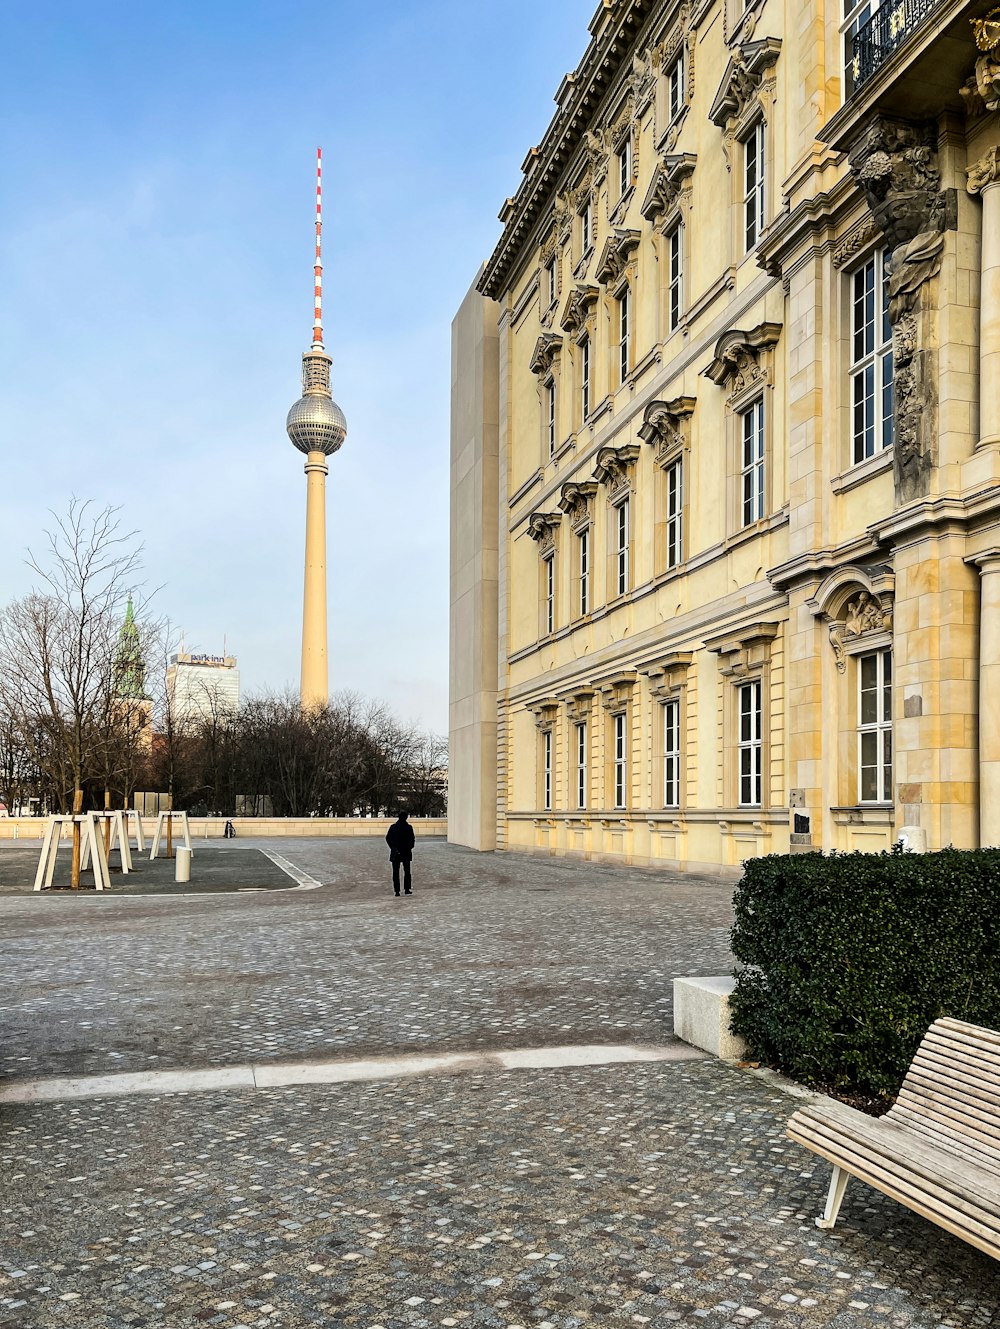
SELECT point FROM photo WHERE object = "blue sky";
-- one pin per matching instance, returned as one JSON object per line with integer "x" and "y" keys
{"x": 155, "y": 262}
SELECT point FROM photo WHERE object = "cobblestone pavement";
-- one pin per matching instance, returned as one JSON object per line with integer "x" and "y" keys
{"x": 655, "y": 1194}
{"x": 615, "y": 1196}
{"x": 490, "y": 952}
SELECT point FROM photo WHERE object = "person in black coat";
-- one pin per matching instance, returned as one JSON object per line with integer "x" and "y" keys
{"x": 400, "y": 839}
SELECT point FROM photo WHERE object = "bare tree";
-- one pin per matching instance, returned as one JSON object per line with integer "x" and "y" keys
{"x": 57, "y": 651}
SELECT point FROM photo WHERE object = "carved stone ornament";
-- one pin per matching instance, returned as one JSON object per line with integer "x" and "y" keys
{"x": 668, "y": 674}
{"x": 597, "y": 149}
{"x": 744, "y": 80}
{"x": 578, "y": 704}
{"x": 738, "y": 363}
{"x": 616, "y": 255}
{"x": 986, "y": 171}
{"x": 857, "y": 239}
{"x": 744, "y": 650}
{"x": 613, "y": 466}
{"x": 581, "y": 301}
{"x": 895, "y": 163}
{"x": 564, "y": 207}
{"x": 574, "y": 500}
{"x": 542, "y": 529}
{"x": 854, "y": 602}
{"x": 982, "y": 91}
{"x": 665, "y": 424}
{"x": 547, "y": 349}
{"x": 643, "y": 79}
{"x": 671, "y": 179}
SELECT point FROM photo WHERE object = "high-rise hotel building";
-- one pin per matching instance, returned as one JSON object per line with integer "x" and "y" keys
{"x": 726, "y": 445}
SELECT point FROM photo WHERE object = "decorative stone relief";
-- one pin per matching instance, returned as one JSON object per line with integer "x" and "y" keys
{"x": 666, "y": 425}
{"x": 670, "y": 186}
{"x": 575, "y": 499}
{"x": 668, "y": 674}
{"x": 542, "y": 528}
{"x": 982, "y": 92}
{"x": 616, "y": 691}
{"x": 546, "y": 713}
{"x": 986, "y": 171}
{"x": 597, "y": 148}
{"x": 616, "y": 256}
{"x": 578, "y": 705}
{"x": 862, "y": 235}
{"x": 895, "y": 163}
{"x": 855, "y": 603}
{"x": 613, "y": 467}
{"x": 745, "y": 650}
{"x": 740, "y": 361}
{"x": 565, "y": 210}
{"x": 547, "y": 350}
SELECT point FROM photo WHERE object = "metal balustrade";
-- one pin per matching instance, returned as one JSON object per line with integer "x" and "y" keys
{"x": 884, "y": 32}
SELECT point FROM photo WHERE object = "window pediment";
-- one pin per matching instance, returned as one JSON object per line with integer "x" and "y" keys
{"x": 743, "y": 80}
{"x": 668, "y": 673}
{"x": 547, "y": 349}
{"x": 582, "y": 300}
{"x": 578, "y": 704}
{"x": 542, "y": 529}
{"x": 739, "y": 361}
{"x": 671, "y": 179}
{"x": 616, "y": 255}
{"x": 546, "y": 713}
{"x": 574, "y": 500}
{"x": 613, "y": 466}
{"x": 745, "y": 650}
{"x": 616, "y": 691}
{"x": 857, "y": 606}
{"x": 666, "y": 424}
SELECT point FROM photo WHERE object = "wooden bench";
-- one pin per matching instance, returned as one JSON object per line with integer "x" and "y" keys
{"x": 937, "y": 1150}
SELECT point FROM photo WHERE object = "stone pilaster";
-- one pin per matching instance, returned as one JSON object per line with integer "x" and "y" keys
{"x": 989, "y": 697}
{"x": 984, "y": 180}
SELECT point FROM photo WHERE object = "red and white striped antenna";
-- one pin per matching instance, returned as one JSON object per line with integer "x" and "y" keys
{"x": 317, "y": 340}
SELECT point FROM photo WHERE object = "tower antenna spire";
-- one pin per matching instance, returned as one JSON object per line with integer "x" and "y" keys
{"x": 317, "y": 340}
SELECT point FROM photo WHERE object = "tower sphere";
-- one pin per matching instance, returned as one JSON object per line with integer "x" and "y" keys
{"x": 316, "y": 424}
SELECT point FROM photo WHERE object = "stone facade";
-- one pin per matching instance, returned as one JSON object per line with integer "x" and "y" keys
{"x": 748, "y": 462}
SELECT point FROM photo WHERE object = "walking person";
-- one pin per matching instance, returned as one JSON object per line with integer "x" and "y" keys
{"x": 400, "y": 839}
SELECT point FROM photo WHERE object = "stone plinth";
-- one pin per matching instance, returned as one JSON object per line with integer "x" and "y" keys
{"x": 701, "y": 1016}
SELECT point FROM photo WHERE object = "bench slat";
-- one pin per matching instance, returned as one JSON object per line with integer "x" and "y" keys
{"x": 933, "y": 1054}
{"x": 963, "y": 1073}
{"x": 952, "y": 1208}
{"x": 893, "y": 1145}
{"x": 980, "y": 1112}
{"x": 977, "y": 1033}
{"x": 969, "y": 1146}
{"x": 961, "y": 1044}
{"x": 949, "y": 1211}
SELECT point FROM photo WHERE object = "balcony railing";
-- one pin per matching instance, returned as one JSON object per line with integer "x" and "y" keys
{"x": 886, "y": 30}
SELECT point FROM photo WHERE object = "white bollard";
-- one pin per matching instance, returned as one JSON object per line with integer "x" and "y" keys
{"x": 182, "y": 869}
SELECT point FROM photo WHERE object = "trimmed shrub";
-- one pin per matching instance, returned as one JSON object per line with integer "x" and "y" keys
{"x": 852, "y": 956}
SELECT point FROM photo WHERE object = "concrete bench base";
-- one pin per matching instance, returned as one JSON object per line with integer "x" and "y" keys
{"x": 701, "y": 1016}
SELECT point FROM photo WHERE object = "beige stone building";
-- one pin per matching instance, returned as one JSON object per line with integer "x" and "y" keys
{"x": 726, "y": 445}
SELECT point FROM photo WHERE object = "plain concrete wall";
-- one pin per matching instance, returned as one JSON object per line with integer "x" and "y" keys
{"x": 475, "y": 529}
{"x": 33, "y": 828}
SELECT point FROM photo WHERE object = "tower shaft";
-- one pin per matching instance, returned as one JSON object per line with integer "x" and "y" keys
{"x": 315, "y": 681}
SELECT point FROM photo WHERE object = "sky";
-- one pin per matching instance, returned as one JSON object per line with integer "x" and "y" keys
{"x": 156, "y": 238}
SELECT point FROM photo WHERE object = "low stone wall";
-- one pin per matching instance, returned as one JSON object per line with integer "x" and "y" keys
{"x": 210, "y": 828}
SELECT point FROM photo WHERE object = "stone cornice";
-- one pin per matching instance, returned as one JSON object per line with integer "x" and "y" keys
{"x": 614, "y": 29}
{"x": 736, "y": 347}
{"x": 742, "y": 79}
{"x": 618, "y": 249}
{"x": 671, "y": 177}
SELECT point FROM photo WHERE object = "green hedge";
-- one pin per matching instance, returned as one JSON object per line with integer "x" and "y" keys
{"x": 852, "y": 956}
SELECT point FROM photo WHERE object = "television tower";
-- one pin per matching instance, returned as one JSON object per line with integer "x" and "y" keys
{"x": 317, "y": 427}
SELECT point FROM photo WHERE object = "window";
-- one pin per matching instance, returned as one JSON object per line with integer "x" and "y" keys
{"x": 550, "y": 290}
{"x": 550, "y": 593}
{"x": 750, "y": 746}
{"x": 753, "y": 185}
{"x": 871, "y": 360}
{"x": 585, "y": 378}
{"x": 621, "y": 761}
{"x": 675, "y": 87}
{"x": 674, "y": 255}
{"x": 671, "y": 754}
{"x": 584, "y": 565}
{"x": 875, "y": 727}
{"x": 550, "y": 416}
{"x": 621, "y": 548}
{"x": 624, "y": 155}
{"x": 586, "y": 227}
{"x": 752, "y": 463}
{"x": 624, "y": 335}
{"x": 582, "y": 765}
{"x": 547, "y": 770}
{"x": 674, "y": 477}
